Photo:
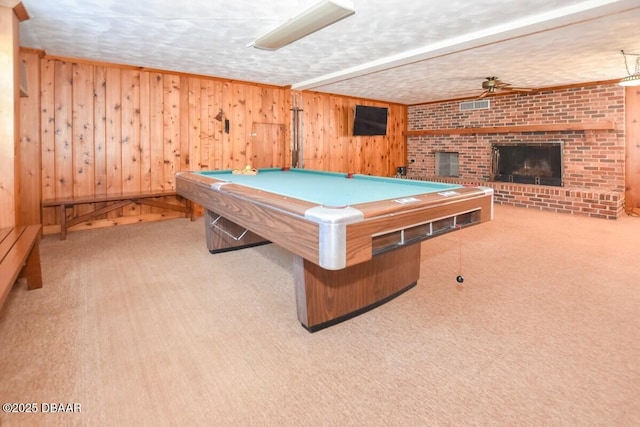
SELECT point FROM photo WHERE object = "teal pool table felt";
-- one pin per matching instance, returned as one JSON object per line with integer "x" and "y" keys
{"x": 330, "y": 188}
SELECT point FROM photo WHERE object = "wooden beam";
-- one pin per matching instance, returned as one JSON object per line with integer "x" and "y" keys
{"x": 20, "y": 12}
{"x": 560, "y": 127}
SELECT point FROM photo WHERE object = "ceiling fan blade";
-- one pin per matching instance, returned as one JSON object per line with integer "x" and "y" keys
{"x": 521, "y": 89}
{"x": 483, "y": 94}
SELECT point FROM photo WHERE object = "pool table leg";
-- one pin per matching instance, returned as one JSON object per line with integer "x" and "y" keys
{"x": 326, "y": 297}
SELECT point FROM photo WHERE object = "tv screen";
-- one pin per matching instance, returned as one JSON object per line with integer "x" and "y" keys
{"x": 370, "y": 120}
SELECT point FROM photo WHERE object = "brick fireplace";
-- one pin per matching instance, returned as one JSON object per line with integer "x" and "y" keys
{"x": 527, "y": 163}
{"x": 586, "y": 123}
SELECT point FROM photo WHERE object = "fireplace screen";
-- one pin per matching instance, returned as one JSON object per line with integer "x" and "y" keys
{"x": 528, "y": 163}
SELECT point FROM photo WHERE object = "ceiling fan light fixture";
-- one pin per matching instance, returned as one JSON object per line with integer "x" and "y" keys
{"x": 317, "y": 17}
{"x": 633, "y": 79}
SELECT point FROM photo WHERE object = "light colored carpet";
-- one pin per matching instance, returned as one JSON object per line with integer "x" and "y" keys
{"x": 143, "y": 327}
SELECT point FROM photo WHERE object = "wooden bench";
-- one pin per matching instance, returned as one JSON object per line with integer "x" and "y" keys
{"x": 19, "y": 257}
{"x": 115, "y": 202}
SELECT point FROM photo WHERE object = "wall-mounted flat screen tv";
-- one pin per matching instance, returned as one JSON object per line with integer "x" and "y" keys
{"x": 370, "y": 120}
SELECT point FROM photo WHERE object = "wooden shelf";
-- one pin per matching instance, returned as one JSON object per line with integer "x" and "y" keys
{"x": 603, "y": 125}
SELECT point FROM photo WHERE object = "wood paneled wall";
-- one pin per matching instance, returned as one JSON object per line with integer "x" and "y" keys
{"x": 9, "y": 113}
{"x": 632, "y": 150}
{"x": 107, "y": 129}
{"x": 110, "y": 130}
{"x": 30, "y": 166}
{"x": 329, "y": 144}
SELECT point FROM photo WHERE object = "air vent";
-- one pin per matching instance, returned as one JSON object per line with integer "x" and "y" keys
{"x": 482, "y": 104}
{"x": 447, "y": 163}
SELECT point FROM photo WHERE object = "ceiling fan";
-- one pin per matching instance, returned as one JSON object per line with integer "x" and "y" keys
{"x": 493, "y": 85}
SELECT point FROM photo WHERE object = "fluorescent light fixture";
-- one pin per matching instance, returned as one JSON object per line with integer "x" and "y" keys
{"x": 315, "y": 18}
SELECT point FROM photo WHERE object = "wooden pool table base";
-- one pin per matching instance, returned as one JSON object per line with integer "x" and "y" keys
{"x": 357, "y": 312}
{"x": 327, "y": 297}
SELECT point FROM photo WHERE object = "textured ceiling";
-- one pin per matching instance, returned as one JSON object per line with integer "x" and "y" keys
{"x": 396, "y": 51}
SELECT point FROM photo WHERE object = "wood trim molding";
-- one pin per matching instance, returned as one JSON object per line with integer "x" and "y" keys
{"x": 27, "y": 50}
{"x": 561, "y": 127}
{"x": 21, "y": 12}
{"x": 153, "y": 70}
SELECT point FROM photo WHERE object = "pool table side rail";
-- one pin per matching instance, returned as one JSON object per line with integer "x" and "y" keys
{"x": 282, "y": 220}
{"x": 424, "y": 201}
{"x": 361, "y": 235}
{"x": 271, "y": 216}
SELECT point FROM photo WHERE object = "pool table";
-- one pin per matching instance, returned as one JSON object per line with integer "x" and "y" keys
{"x": 354, "y": 237}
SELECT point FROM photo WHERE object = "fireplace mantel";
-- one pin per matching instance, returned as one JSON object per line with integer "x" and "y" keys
{"x": 556, "y": 127}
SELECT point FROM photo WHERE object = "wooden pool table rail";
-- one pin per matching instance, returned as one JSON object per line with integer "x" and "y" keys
{"x": 288, "y": 229}
{"x": 281, "y": 220}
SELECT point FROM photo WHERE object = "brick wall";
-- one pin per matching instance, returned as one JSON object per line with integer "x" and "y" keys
{"x": 593, "y": 161}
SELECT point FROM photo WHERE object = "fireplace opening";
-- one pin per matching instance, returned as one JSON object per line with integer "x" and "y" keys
{"x": 528, "y": 163}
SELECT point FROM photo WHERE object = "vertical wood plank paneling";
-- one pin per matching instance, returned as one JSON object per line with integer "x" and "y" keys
{"x": 267, "y": 146}
{"x": 145, "y": 142}
{"x": 326, "y": 132}
{"x": 207, "y": 149}
{"x": 203, "y": 113}
{"x": 330, "y": 145}
{"x": 333, "y": 125}
{"x": 100, "y": 130}
{"x": 314, "y": 140}
{"x": 227, "y": 97}
{"x": 338, "y": 148}
{"x": 30, "y": 154}
{"x": 83, "y": 135}
{"x": 131, "y": 170}
{"x": 351, "y": 143}
{"x": 171, "y": 126}
{"x": 120, "y": 129}
{"x": 632, "y": 152}
{"x": 183, "y": 152}
{"x": 244, "y": 136}
{"x": 195, "y": 138}
{"x": 238, "y": 117}
{"x": 145, "y": 139}
{"x": 397, "y": 151}
{"x": 47, "y": 136}
{"x": 114, "y": 135}
{"x": 156, "y": 131}
{"x": 216, "y": 128}
{"x": 251, "y": 98}
{"x": 282, "y": 116}
{"x": 63, "y": 140}
{"x": 130, "y": 131}
{"x": 279, "y": 144}
{"x": 9, "y": 118}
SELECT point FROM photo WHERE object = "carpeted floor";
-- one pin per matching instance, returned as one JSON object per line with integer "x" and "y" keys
{"x": 141, "y": 326}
